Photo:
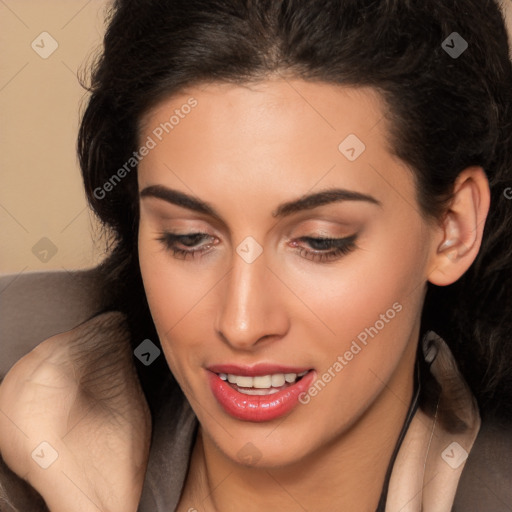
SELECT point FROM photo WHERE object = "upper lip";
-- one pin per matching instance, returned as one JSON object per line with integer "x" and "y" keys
{"x": 257, "y": 369}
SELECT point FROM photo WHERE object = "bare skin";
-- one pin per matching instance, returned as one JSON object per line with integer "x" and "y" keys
{"x": 246, "y": 150}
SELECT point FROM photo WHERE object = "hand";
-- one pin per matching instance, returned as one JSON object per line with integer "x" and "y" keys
{"x": 79, "y": 392}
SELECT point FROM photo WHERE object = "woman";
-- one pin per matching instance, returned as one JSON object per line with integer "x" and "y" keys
{"x": 309, "y": 203}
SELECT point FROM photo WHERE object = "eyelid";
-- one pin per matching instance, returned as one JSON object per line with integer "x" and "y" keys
{"x": 324, "y": 225}
{"x": 177, "y": 237}
{"x": 337, "y": 247}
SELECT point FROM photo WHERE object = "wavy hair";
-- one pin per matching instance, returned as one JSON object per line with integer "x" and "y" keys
{"x": 444, "y": 114}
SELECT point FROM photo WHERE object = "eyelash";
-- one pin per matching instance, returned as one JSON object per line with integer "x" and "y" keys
{"x": 339, "y": 246}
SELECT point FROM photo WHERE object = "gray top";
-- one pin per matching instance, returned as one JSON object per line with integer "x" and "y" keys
{"x": 171, "y": 445}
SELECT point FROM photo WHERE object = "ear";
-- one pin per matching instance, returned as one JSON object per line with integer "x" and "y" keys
{"x": 458, "y": 238}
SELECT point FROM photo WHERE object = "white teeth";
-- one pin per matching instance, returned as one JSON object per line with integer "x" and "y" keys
{"x": 262, "y": 382}
{"x": 252, "y": 391}
{"x": 244, "y": 382}
{"x": 275, "y": 380}
{"x": 278, "y": 380}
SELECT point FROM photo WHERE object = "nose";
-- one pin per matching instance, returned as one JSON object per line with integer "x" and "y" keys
{"x": 252, "y": 309}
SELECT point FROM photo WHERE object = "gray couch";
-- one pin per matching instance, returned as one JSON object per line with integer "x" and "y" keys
{"x": 37, "y": 305}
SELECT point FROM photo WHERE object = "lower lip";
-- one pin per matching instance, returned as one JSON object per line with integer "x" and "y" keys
{"x": 258, "y": 408}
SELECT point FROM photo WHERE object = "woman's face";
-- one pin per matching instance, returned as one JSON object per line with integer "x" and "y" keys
{"x": 236, "y": 184}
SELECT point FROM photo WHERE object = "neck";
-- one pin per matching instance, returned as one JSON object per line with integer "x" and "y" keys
{"x": 347, "y": 474}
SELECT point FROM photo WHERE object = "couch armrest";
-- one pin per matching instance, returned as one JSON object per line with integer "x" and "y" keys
{"x": 37, "y": 305}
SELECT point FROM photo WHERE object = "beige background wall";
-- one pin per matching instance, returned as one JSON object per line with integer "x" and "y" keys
{"x": 42, "y": 206}
{"x": 40, "y": 189}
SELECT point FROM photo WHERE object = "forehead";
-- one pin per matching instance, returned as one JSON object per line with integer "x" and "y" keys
{"x": 260, "y": 109}
{"x": 269, "y": 135}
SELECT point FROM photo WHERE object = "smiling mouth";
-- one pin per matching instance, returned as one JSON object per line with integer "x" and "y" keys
{"x": 258, "y": 398}
{"x": 261, "y": 384}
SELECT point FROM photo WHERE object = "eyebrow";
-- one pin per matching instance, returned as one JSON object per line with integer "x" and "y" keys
{"x": 306, "y": 202}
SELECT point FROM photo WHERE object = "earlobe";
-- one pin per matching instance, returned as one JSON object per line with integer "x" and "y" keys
{"x": 462, "y": 228}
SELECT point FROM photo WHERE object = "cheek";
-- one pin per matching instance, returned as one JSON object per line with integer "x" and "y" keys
{"x": 369, "y": 309}
{"x": 176, "y": 294}
{"x": 352, "y": 294}
{"x": 172, "y": 286}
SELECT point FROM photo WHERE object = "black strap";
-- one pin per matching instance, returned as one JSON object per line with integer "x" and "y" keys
{"x": 413, "y": 407}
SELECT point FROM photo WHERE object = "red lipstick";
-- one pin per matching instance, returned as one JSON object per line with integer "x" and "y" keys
{"x": 257, "y": 408}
